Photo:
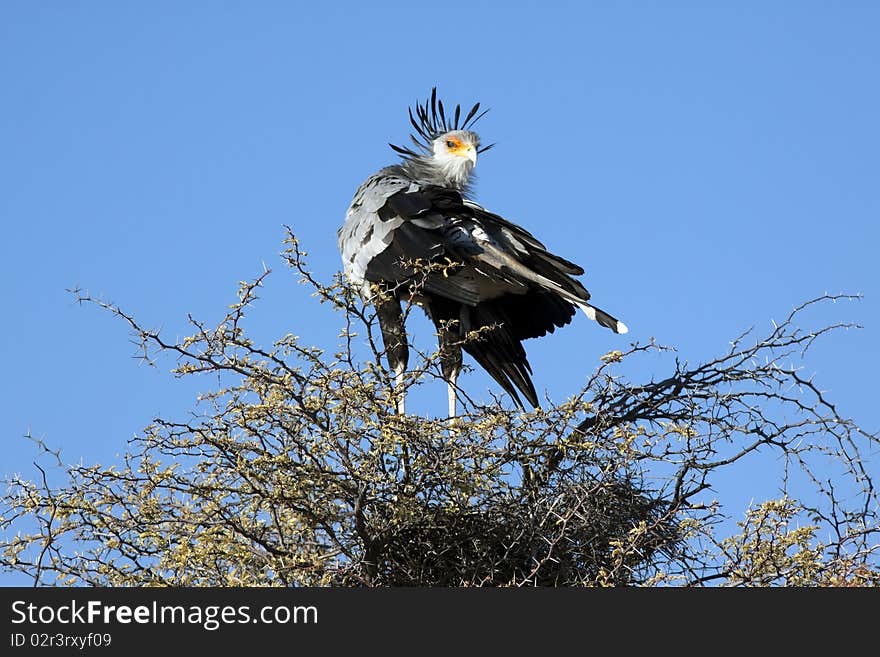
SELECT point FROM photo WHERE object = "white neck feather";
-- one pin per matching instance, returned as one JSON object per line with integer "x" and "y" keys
{"x": 454, "y": 169}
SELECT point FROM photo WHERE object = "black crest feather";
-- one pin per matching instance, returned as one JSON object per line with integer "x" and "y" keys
{"x": 430, "y": 121}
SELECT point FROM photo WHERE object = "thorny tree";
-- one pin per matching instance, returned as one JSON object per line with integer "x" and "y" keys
{"x": 297, "y": 471}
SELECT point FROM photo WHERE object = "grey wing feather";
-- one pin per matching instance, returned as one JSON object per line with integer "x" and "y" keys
{"x": 365, "y": 234}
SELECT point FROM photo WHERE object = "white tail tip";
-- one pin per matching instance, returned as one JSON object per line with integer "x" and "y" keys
{"x": 592, "y": 313}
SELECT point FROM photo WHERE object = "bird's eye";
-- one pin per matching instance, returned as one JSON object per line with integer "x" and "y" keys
{"x": 450, "y": 144}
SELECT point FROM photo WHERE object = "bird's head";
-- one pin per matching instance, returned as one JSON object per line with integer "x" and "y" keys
{"x": 445, "y": 149}
{"x": 456, "y": 149}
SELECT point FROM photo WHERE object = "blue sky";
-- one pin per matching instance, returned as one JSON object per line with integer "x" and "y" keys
{"x": 710, "y": 167}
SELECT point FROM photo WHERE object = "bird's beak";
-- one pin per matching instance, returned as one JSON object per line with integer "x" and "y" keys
{"x": 471, "y": 154}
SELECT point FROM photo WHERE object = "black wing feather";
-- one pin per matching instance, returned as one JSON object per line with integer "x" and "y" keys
{"x": 437, "y": 225}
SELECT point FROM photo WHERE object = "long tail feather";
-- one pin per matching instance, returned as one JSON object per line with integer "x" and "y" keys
{"x": 603, "y": 318}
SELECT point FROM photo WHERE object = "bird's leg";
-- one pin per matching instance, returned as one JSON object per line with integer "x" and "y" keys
{"x": 400, "y": 402}
{"x": 396, "y": 348}
{"x": 450, "y": 361}
{"x": 451, "y": 391}
{"x": 397, "y": 353}
{"x": 399, "y": 390}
